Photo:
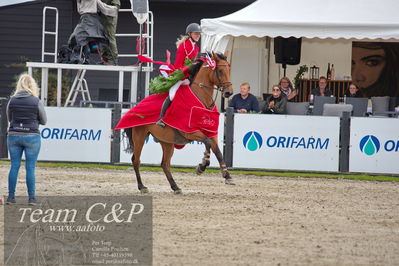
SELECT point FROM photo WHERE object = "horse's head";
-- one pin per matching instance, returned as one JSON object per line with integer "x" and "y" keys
{"x": 221, "y": 76}
{"x": 210, "y": 73}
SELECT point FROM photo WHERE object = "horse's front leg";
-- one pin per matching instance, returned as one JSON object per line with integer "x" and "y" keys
{"x": 205, "y": 160}
{"x": 213, "y": 142}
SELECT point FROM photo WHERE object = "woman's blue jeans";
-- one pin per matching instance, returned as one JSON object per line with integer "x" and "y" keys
{"x": 16, "y": 146}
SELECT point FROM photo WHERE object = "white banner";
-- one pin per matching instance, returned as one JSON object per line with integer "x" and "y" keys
{"x": 190, "y": 155}
{"x": 76, "y": 134}
{"x": 286, "y": 142}
{"x": 374, "y": 145}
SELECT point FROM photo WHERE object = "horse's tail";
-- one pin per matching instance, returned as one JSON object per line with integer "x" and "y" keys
{"x": 127, "y": 133}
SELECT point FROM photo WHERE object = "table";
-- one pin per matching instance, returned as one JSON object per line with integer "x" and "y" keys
{"x": 338, "y": 88}
{"x": 387, "y": 113}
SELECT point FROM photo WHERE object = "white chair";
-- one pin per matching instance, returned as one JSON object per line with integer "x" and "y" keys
{"x": 380, "y": 105}
{"x": 359, "y": 105}
{"x": 336, "y": 109}
{"x": 319, "y": 102}
{"x": 301, "y": 108}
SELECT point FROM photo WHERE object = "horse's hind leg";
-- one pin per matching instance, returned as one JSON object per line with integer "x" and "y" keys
{"x": 215, "y": 149}
{"x": 168, "y": 150}
{"x": 205, "y": 160}
{"x": 138, "y": 137}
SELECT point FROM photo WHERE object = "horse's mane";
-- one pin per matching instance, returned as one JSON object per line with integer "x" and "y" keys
{"x": 196, "y": 66}
{"x": 221, "y": 56}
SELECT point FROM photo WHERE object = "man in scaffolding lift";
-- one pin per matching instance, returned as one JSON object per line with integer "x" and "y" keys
{"x": 95, "y": 33}
{"x": 110, "y": 54}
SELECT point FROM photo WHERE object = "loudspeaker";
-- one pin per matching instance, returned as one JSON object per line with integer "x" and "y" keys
{"x": 140, "y": 6}
{"x": 287, "y": 50}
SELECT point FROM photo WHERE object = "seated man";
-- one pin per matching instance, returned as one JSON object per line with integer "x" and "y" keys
{"x": 276, "y": 103}
{"x": 244, "y": 102}
{"x": 322, "y": 90}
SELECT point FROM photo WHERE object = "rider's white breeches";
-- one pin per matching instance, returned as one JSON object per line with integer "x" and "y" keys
{"x": 173, "y": 90}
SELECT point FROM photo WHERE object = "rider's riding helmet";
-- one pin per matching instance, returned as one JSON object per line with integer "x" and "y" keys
{"x": 193, "y": 27}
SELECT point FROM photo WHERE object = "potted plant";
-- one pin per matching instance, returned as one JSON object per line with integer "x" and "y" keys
{"x": 299, "y": 73}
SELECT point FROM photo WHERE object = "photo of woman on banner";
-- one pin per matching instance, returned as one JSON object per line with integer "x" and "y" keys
{"x": 375, "y": 68}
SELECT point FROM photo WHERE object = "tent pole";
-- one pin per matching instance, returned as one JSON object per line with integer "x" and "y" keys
{"x": 285, "y": 69}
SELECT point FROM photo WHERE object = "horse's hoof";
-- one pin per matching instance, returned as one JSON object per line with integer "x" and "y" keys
{"x": 229, "y": 181}
{"x": 144, "y": 190}
{"x": 178, "y": 191}
{"x": 198, "y": 170}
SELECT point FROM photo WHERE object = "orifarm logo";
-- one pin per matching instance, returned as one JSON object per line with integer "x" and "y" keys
{"x": 370, "y": 145}
{"x": 252, "y": 141}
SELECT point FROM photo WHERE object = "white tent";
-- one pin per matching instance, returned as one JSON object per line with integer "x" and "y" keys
{"x": 13, "y": 2}
{"x": 328, "y": 28}
{"x": 358, "y": 19}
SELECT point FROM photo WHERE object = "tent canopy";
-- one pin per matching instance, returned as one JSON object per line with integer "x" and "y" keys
{"x": 13, "y": 2}
{"x": 359, "y": 19}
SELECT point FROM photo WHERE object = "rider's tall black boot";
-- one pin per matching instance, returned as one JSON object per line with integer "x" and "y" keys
{"x": 165, "y": 106}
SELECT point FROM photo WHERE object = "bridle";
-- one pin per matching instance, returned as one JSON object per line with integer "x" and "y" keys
{"x": 221, "y": 86}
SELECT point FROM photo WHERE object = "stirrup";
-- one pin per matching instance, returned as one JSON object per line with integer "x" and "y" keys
{"x": 160, "y": 123}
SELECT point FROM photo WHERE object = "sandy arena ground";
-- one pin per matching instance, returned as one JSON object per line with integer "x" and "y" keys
{"x": 260, "y": 221}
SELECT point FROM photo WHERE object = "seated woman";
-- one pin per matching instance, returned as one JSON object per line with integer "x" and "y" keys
{"x": 276, "y": 103}
{"x": 322, "y": 89}
{"x": 286, "y": 87}
{"x": 353, "y": 91}
{"x": 244, "y": 102}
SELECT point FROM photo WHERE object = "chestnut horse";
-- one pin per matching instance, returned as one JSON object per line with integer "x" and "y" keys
{"x": 205, "y": 81}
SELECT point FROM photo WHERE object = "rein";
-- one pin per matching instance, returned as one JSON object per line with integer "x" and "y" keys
{"x": 219, "y": 88}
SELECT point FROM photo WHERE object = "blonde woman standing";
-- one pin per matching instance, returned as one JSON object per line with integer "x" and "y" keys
{"x": 24, "y": 112}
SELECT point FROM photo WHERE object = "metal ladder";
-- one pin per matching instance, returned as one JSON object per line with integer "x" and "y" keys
{"x": 55, "y": 33}
{"x": 148, "y": 51}
{"x": 79, "y": 85}
{"x": 149, "y": 36}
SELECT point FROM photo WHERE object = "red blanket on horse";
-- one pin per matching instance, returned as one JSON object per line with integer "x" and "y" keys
{"x": 186, "y": 113}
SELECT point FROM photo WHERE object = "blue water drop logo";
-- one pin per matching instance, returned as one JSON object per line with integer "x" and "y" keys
{"x": 369, "y": 145}
{"x": 252, "y": 141}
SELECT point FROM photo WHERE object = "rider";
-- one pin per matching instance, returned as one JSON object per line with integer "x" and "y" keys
{"x": 187, "y": 51}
